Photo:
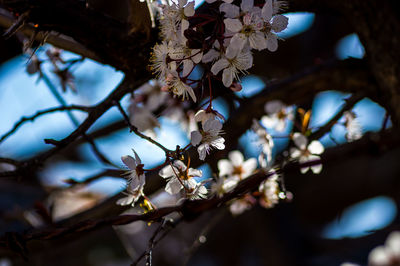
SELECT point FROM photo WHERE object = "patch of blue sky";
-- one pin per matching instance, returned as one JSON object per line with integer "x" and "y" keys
{"x": 299, "y": 22}
{"x": 362, "y": 218}
{"x": 350, "y": 46}
{"x": 55, "y": 174}
{"x": 326, "y": 104}
{"x": 251, "y": 85}
{"x": 23, "y": 95}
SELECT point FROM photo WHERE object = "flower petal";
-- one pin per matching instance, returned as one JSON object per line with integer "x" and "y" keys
{"x": 266, "y": 11}
{"x": 173, "y": 186}
{"x": 233, "y": 25}
{"x": 227, "y": 77}
{"x": 247, "y": 5}
{"x": 231, "y": 11}
{"x": 300, "y": 140}
{"x": 236, "y": 158}
{"x": 225, "y": 167}
{"x": 129, "y": 161}
{"x": 272, "y": 42}
{"x": 219, "y": 65}
{"x": 315, "y": 147}
{"x": 189, "y": 9}
{"x": 279, "y": 23}
{"x": 195, "y": 137}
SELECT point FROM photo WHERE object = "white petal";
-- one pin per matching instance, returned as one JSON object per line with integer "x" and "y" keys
{"x": 393, "y": 242}
{"x": 272, "y": 42}
{"x": 195, "y": 137}
{"x": 247, "y": 5}
{"x": 173, "y": 186}
{"x": 378, "y": 256}
{"x": 166, "y": 172}
{"x": 279, "y": 23}
{"x": 258, "y": 41}
{"x": 126, "y": 201}
{"x": 268, "y": 121}
{"x": 184, "y": 26}
{"x": 180, "y": 165}
{"x": 212, "y": 125}
{"x": 189, "y": 9}
{"x": 187, "y": 67}
{"x": 315, "y": 147}
{"x": 182, "y": 3}
{"x": 129, "y": 161}
{"x": 231, "y": 11}
{"x": 191, "y": 93}
{"x": 295, "y": 153}
{"x": 316, "y": 168}
{"x": 273, "y": 106}
{"x": 249, "y": 166}
{"x": 230, "y": 183}
{"x": 219, "y": 65}
{"x": 266, "y": 11}
{"x": 233, "y": 25}
{"x": 304, "y": 170}
{"x": 300, "y": 140}
{"x": 227, "y": 76}
{"x": 236, "y": 158}
{"x": 195, "y": 172}
{"x": 237, "y": 43}
{"x": 210, "y": 56}
{"x": 202, "y": 150}
{"x": 138, "y": 161}
{"x": 225, "y": 167}
{"x": 196, "y": 55}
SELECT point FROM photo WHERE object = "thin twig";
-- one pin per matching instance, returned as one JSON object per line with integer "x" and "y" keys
{"x": 136, "y": 131}
{"x": 43, "y": 112}
{"x": 17, "y": 25}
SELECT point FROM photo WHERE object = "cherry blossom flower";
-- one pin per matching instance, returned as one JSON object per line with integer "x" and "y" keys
{"x": 233, "y": 66}
{"x": 176, "y": 15}
{"x": 136, "y": 180}
{"x": 264, "y": 139}
{"x": 236, "y": 167}
{"x": 161, "y": 65}
{"x": 230, "y": 10}
{"x": 151, "y": 95}
{"x": 241, "y": 205}
{"x": 307, "y": 152}
{"x": 142, "y": 118}
{"x": 178, "y": 87}
{"x": 353, "y": 127}
{"x": 269, "y": 190}
{"x": 204, "y": 115}
{"x": 386, "y": 255}
{"x": 179, "y": 177}
{"x": 277, "y": 115}
{"x": 188, "y": 56}
{"x": 209, "y": 138}
{"x": 274, "y": 24}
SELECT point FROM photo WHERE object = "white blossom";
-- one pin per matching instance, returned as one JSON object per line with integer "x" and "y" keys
{"x": 179, "y": 88}
{"x": 188, "y": 58}
{"x": 307, "y": 152}
{"x": 241, "y": 205}
{"x": 264, "y": 140}
{"x": 135, "y": 178}
{"x": 179, "y": 177}
{"x": 269, "y": 190}
{"x": 274, "y": 24}
{"x": 236, "y": 167}
{"x": 161, "y": 64}
{"x": 142, "y": 118}
{"x": 233, "y": 66}
{"x": 204, "y": 115}
{"x": 207, "y": 138}
{"x": 386, "y": 255}
{"x": 277, "y": 115}
{"x": 353, "y": 127}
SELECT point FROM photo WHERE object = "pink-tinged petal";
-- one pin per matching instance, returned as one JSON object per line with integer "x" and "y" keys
{"x": 189, "y": 9}
{"x": 279, "y": 23}
{"x": 250, "y": 165}
{"x": 272, "y": 42}
{"x": 129, "y": 161}
{"x": 180, "y": 165}
{"x": 236, "y": 158}
{"x": 315, "y": 147}
{"x": 267, "y": 10}
{"x": 300, "y": 140}
{"x": 247, "y": 5}
{"x": 210, "y": 56}
{"x": 225, "y": 167}
{"x": 227, "y": 77}
{"x": 219, "y": 65}
{"x": 233, "y": 25}
{"x": 258, "y": 41}
{"x": 126, "y": 200}
{"x": 187, "y": 67}
{"x": 231, "y": 11}
{"x": 195, "y": 137}
{"x": 173, "y": 186}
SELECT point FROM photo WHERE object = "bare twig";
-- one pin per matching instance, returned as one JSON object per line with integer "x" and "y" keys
{"x": 43, "y": 112}
{"x": 136, "y": 131}
{"x": 17, "y": 25}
